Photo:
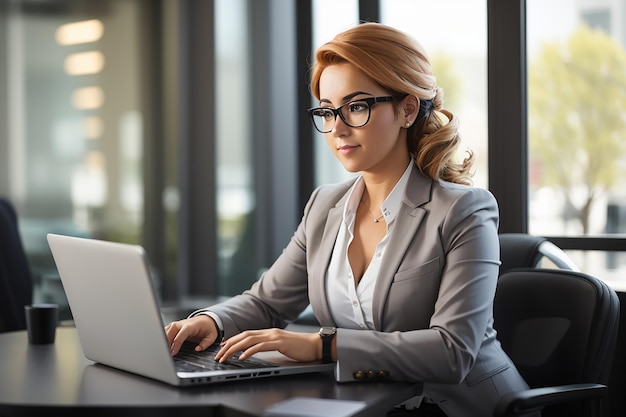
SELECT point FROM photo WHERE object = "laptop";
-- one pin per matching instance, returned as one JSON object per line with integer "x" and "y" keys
{"x": 111, "y": 295}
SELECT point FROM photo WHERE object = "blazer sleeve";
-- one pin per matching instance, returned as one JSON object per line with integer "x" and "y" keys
{"x": 461, "y": 229}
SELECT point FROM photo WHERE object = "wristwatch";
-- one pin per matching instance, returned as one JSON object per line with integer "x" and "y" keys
{"x": 327, "y": 334}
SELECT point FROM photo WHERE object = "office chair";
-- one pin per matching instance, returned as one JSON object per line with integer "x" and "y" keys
{"x": 560, "y": 328}
{"x": 521, "y": 250}
{"x": 15, "y": 275}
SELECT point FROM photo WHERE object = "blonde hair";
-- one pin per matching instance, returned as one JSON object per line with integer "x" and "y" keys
{"x": 399, "y": 64}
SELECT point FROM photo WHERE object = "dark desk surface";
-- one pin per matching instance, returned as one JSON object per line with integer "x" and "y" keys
{"x": 37, "y": 378}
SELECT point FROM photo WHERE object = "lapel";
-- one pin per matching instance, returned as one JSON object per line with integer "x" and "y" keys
{"x": 409, "y": 217}
{"x": 327, "y": 244}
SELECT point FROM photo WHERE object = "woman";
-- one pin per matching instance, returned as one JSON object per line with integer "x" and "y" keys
{"x": 400, "y": 265}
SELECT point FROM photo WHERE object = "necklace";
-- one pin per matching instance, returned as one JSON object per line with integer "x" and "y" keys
{"x": 376, "y": 219}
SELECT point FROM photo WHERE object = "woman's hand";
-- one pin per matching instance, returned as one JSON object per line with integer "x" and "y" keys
{"x": 301, "y": 347}
{"x": 200, "y": 329}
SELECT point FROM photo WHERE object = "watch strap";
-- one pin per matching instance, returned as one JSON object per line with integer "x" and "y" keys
{"x": 327, "y": 334}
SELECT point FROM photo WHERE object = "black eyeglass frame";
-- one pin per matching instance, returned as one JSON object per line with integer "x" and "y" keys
{"x": 337, "y": 111}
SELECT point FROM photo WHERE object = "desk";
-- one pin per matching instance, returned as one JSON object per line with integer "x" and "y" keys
{"x": 35, "y": 379}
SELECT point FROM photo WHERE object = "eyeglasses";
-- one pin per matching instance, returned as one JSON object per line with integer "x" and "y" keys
{"x": 357, "y": 114}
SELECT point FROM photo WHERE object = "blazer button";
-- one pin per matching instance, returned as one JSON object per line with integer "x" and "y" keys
{"x": 359, "y": 375}
{"x": 383, "y": 374}
{"x": 371, "y": 374}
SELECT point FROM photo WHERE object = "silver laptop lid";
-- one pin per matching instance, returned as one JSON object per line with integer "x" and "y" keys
{"x": 112, "y": 300}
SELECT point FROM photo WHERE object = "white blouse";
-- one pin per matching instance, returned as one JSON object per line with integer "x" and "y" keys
{"x": 351, "y": 305}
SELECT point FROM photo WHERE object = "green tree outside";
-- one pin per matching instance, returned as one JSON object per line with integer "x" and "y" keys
{"x": 577, "y": 117}
{"x": 447, "y": 77}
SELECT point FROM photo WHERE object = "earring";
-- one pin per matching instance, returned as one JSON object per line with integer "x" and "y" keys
{"x": 407, "y": 124}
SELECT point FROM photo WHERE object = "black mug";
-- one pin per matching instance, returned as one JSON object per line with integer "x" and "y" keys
{"x": 41, "y": 322}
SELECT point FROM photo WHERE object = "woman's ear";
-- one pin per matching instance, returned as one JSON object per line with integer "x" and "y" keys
{"x": 410, "y": 108}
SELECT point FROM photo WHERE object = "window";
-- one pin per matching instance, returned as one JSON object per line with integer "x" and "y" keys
{"x": 454, "y": 33}
{"x": 576, "y": 124}
{"x": 345, "y": 14}
{"x": 459, "y": 60}
{"x": 234, "y": 164}
{"x": 75, "y": 130}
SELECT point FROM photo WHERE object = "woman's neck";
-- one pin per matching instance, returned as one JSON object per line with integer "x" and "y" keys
{"x": 379, "y": 185}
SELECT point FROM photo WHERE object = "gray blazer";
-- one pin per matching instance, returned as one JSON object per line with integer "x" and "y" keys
{"x": 432, "y": 303}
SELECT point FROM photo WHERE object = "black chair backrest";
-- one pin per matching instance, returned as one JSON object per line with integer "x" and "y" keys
{"x": 558, "y": 326}
{"x": 16, "y": 286}
{"x": 521, "y": 250}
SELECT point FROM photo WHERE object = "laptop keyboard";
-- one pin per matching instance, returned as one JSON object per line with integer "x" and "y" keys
{"x": 188, "y": 360}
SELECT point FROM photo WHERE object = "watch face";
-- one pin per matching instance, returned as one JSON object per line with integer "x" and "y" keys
{"x": 327, "y": 331}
